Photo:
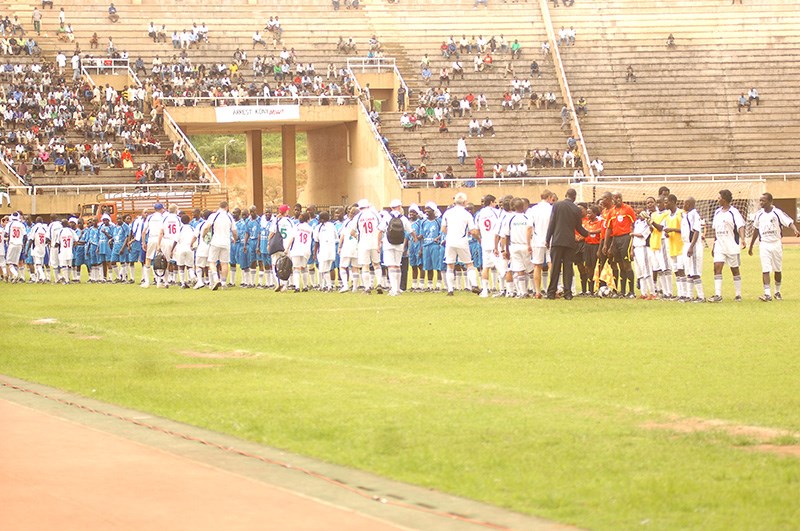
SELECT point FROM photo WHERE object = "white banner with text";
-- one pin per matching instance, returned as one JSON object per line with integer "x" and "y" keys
{"x": 257, "y": 113}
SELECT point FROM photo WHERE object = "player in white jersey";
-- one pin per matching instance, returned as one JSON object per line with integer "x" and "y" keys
{"x": 518, "y": 235}
{"x": 3, "y": 269}
{"x": 53, "y": 229}
{"x": 170, "y": 228}
{"x": 505, "y": 278}
{"x": 16, "y": 232}
{"x": 152, "y": 233}
{"x": 767, "y": 228}
{"x": 183, "y": 252}
{"x": 325, "y": 238}
{"x": 348, "y": 252}
{"x": 540, "y": 214}
{"x": 369, "y": 230}
{"x": 66, "y": 245}
{"x": 729, "y": 241}
{"x": 298, "y": 247}
{"x": 397, "y": 229}
{"x": 457, "y": 225}
{"x": 641, "y": 255}
{"x": 222, "y": 228}
{"x": 37, "y": 247}
{"x": 201, "y": 253}
{"x": 488, "y": 222}
{"x": 691, "y": 229}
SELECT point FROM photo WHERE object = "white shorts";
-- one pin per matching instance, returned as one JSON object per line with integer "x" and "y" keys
{"x": 37, "y": 260}
{"x": 299, "y": 260}
{"x": 347, "y": 261}
{"x": 520, "y": 259}
{"x": 693, "y": 265}
{"x": 392, "y": 255}
{"x": 457, "y": 254}
{"x": 167, "y": 246}
{"x": 540, "y": 256}
{"x": 501, "y": 264}
{"x": 677, "y": 263}
{"x": 368, "y": 256}
{"x": 223, "y": 254}
{"x": 641, "y": 259}
{"x": 54, "y": 256}
{"x": 656, "y": 259}
{"x": 152, "y": 247}
{"x": 489, "y": 258}
{"x": 65, "y": 262}
{"x": 184, "y": 258}
{"x": 771, "y": 257}
{"x": 2, "y": 259}
{"x": 201, "y": 261}
{"x": 13, "y": 254}
{"x": 729, "y": 259}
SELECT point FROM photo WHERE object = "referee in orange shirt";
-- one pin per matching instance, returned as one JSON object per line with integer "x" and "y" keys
{"x": 618, "y": 240}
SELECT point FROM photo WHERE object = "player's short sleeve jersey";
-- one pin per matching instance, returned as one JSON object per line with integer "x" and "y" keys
{"x": 768, "y": 224}
{"x": 253, "y": 228}
{"x": 137, "y": 228}
{"x": 325, "y": 234}
{"x": 488, "y": 221}
{"x": 121, "y": 234}
{"x": 690, "y": 222}
{"x": 540, "y": 214}
{"x": 656, "y": 235}
{"x": 52, "y": 231}
{"x": 726, "y": 225}
{"x": 369, "y": 226}
{"x": 171, "y": 226}
{"x": 430, "y": 230}
{"x": 16, "y": 233}
{"x": 517, "y": 228}
{"x": 66, "y": 241}
{"x": 38, "y": 236}
{"x": 153, "y": 224}
{"x": 457, "y": 223}
{"x": 202, "y": 241}
{"x": 185, "y": 237}
{"x": 221, "y": 225}
{"x": 301, "y": 240}
{"x": 641, "y": 227}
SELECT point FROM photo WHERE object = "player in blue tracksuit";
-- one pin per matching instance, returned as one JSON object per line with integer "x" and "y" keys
{"x": 431, "y": 234}
{"x": 338, "y": 223}
{"x": 250, "y": 248}
{"x": 264, "y": 260}
{"x": 415, "y": 249}
{"x": 91, "y": 250}
{"x": 313, "y": 221}
{"x": 104, "y": 242}
{"x": 119, "y": 251}
{"x": 79, "y": 252}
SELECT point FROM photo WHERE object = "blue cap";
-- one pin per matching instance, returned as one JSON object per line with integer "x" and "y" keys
{"x": 158, "y": 206}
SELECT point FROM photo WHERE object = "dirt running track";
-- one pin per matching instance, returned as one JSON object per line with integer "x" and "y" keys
{"x": 72, "y": 463}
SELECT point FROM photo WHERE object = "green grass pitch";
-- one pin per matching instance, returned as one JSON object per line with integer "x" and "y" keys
{"x": 591, "y": 412}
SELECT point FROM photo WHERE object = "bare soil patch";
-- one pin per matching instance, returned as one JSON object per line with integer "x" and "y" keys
{"x": 44, "y": 321}
{"x": 235, "y": 354}
{"x": 196, "y": 366}
{"x": 765, "y": 436}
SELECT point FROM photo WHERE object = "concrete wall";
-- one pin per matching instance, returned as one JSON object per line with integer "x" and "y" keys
{"x": 63, "y": 203}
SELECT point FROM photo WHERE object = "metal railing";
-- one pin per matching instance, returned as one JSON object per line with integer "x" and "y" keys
{"x": 12, "y": 172}
{"x": 134, "y": 77}
{"x": 71, "y": 189}
{"x": 227, "y": 101}
{"x": 565, "y": 92}
{"x": 105, "y": 65}
{"x": 379, "y": 64}
{"x": 176, "y": 130}
{"x": 698, "y": 177}
{"x": 472, "y": 182}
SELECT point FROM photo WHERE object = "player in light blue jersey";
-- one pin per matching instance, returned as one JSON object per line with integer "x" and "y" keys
{"x": 415, "y": 247}
{"x": 236, "y": 246}
{"x": 265, "y": 277}
{"x": 92, "y": 258}
{"x": 432, "y": 255}
{"x": 250, "y": 249}
{"x": 79, "y": 249}
{"x": 104, "y": 242}
{"x": 119, "y": 252}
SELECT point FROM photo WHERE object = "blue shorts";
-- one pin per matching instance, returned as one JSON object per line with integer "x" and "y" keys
{"x": 265, "y": 259}
{"x": 414, "y": 258}
{"x": 103, "y": 257}
{"x": 28, "y": 258}
{"x": 135, "y": 252}
{"x": 91, "y": 255}
{"x": 477, "y": 254}
{"x": 431, "y": 257}
{"x": 78, "y": 256}
{"x": 235, "y": 249}
{"x": 252, "y": 253}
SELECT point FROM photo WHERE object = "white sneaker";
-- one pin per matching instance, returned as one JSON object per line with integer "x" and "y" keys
{"x": 345, "y": 289}
{"x": 144, "y": 285}
{"x": 393, "y": 293}
{"x": 484, "y": 294}
{"x": 199, "y": 285}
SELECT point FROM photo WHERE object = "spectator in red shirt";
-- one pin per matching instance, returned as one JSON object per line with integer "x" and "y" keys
{"x": 479, "y": 167}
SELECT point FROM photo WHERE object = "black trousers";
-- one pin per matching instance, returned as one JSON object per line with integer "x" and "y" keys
{"x": 561, "y": 260}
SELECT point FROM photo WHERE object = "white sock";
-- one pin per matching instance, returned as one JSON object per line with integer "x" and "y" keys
{"x": 737, "y": 285}
{"x": 296, "y": 278}
{"x": 366, "y": 279}
{"x": 450, "y": 278}
{"x": 698, "y": 287}
{"x": 472, "y": 277}
{"x": 394, "y": 280}
{"x": 718, "y": 285}
{"x": 379, "y": 276}
{"x": 777, "y": 287}
{"x": 485, "y": 284}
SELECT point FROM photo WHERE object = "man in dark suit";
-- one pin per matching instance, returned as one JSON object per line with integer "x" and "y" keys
{"x": 564, "y": 222}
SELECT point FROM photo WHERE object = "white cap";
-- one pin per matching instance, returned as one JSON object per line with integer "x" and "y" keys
{"x": 432, "y": 205}
{"x": 363, "y": 204}
{"x": 73, "y": 219}
{"x": 395, "y": 203}
{"x": 15, "y": 216}
{"x": 105, "y": 217}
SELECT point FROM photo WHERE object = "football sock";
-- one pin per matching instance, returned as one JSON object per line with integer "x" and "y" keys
{"x": 777, "y": 287}
{"x": 718, "y": 285}
{"x": 698, "y": 287}
{"x": 472, "y": 277}
{"x": 450, "y": 278}
{"x": 737, "y": 285}
{"x": 296, "y": 278}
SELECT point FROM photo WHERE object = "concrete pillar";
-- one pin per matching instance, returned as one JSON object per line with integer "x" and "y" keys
{"x": 289, "y": 164}
{"x": 254, "y": 166}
